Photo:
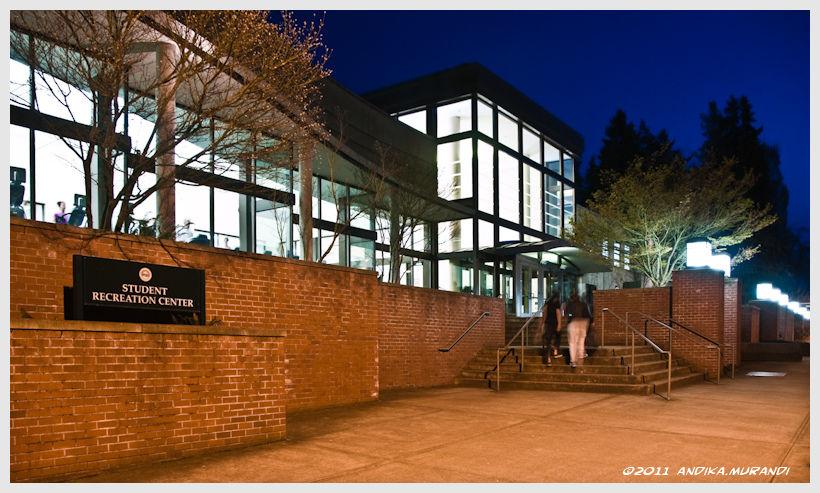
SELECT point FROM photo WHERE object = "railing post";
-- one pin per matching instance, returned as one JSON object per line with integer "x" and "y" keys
{"x": 523, "y": 354}
{"x": 497, "y": 371}
{"x": 720, "y": 365}
{"x": 632, "y": 366}
{"x": 669, "y": 377}
{"x": 603, "y": 327}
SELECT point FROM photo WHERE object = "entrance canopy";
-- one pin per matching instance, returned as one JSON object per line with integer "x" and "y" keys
{"x": 580, "y": 260}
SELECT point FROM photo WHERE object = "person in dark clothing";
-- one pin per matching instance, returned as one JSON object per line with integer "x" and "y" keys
{"x": 550, "y": 327}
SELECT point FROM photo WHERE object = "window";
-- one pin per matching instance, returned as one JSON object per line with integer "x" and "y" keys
{"x": 532, "y": 198}
{"x": 507, "y": 131}
{"x": 454, "y": 118}
{"x": 485, "y": 118}
{"x": 455, "y": 275}
{"x": 20, "y": 172}
{"x": 60, "y": 178}
{"x": 416, "y": 119}
{"x": 485, "y": 178}
{"x": 506, "y": 234}
{"x": 455, "y": 170}
{"x": 361, "y": 253}
{"x": 485, "y": 234}
{"x": 361, "y": 215}
{"x": 507, "y": 187}
{"x": 552, "y": 158}
{"x": 229, "y": 209}
{"x": 569, "y": 167}
{"x": 19, "y": 73}
{"x": 569, "y": 207}
{"x": 193, "y": 205}
{"x": 273, "y": 222}
{"x": 58, "y": 98}
{"x": 532, "y": 145}
{"x": 553, "y": 205}
{"x": 455, "y": 236}
{"x": 334, "y": 200}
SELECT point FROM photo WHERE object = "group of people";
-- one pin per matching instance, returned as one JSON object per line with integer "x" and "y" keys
{"x": 578, "y": 317}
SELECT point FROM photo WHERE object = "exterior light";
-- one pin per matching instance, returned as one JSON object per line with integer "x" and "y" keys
{"x": 763, "y": 290}
{"x": 794, "y": 306}
{"x": 698, "y": 254}
{"x": 774, "y": 295}
{"x": 784, "y": 300}
{"x": 721, "y": 262}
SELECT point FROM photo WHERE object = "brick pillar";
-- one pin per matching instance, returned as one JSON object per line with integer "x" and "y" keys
{"x": 731, "y": 321}
{"x": 768, "y": 320}
{"x": 698, "y": 304}
{"x": 750, "y": 326}
{"x": 781, "y": 323}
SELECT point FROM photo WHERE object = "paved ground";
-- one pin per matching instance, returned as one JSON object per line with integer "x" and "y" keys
{"x": 476, "y": 435}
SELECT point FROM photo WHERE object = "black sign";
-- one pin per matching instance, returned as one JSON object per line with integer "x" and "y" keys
{"x": 120, "y": 291}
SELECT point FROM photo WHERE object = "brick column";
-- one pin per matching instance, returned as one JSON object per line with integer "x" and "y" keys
{"x": 768, "y": 320}
{"x": 750, "y": 326}
{"x": 731, "y": 321}
{"x": 698, "y": 304}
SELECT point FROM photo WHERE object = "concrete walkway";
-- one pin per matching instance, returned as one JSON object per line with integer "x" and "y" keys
{"x": 476, "y": 435}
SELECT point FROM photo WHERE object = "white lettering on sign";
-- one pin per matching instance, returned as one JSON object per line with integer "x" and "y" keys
{"x": 142, "y": 299}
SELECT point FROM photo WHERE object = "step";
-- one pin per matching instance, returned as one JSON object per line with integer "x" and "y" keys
{"x": 660, "y": 385}
{"x": 677, "y": 371}
{"x": 579, "y": 375}
{"x": 639, "y": 389}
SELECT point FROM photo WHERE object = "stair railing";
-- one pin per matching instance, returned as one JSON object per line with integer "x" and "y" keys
{"x": 508, "y": 348}
{"x": 475, "y": 322}
{"x": 710, "y": 344}
{"x": 631, "y": 331}
{"x": 695, "y": 333}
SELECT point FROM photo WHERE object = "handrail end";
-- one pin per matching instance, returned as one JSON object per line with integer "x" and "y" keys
{"x": 444, "y": 349}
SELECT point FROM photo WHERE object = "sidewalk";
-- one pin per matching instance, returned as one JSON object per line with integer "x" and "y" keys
{"x": 475, "y": 435}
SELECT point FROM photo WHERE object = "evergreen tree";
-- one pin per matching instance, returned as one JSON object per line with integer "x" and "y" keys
{"x": 623, "y": 144}
{"x": 731, "y": 133}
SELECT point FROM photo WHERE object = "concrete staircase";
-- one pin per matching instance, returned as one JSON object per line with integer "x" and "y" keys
{"x": 607, "y": 369}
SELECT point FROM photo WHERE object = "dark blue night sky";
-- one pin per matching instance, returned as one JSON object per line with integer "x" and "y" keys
{"x": 662, "y": 67}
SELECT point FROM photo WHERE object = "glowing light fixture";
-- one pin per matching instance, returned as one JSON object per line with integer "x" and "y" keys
{"x": 763, "y": 290}
{"x": 698, "y": 254}
{"x": 784, "y": 299}
{"x": 774, "y": 295}
{"x": 721, "y": 262}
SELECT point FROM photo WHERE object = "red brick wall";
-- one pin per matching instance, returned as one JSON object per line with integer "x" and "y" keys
{"x": 801, "y": 329}
{"x": 84, "y": 401}
{"x": 416, "y": 322}
{"x": 650, "y": 301}
{"x": 731, "y": 320}
{"x": 330, "y": 314}
{"x": 698, "y": 304}
{"x": 751, "y": 324}
{"x": 788, "y": 327}
{"x": 768, "y": 320}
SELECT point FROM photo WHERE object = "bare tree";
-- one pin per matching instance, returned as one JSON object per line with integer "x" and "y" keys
{"x": 656, "y": 209}
{"x": 239, "y": 87}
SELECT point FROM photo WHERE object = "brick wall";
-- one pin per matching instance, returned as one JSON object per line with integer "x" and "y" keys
{"x": 801, "y": 329}
{"x": 750, "y": 326}
{"x": 768, "y": 320}
{"x": 654, "y": 302}
{"x": 788, "y": 326}
{"x": 416, "y": 322}
{"x": 330, "y": 314}
{"x": 88, "y": 396}
{"x": 731, "y": 321}
{"x": 698, "y": 304}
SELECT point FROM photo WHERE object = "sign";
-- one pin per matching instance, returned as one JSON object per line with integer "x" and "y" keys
{"x": 121, "y": 291}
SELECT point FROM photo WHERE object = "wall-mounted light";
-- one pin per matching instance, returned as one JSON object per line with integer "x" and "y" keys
{"x": 698, "y": 254}
{"x": 774, "y": 295}
{"x": 784, "y": 299}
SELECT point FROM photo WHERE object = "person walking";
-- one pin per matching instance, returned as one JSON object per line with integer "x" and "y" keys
{"x": 550, "y": 328}
{"x": 579, "y": 316}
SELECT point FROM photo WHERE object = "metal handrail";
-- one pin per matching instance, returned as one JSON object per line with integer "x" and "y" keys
{"x": 447, "y": 349}
{"x": 509, "y": 347}
{"x": 689, "y": 332}
{"x": 657, "y": 348}
{"x": 675, "y": 322}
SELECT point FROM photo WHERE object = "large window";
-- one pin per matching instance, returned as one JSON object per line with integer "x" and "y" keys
{"x": 454, "y": 118}
{"x": 569, "y": 167}
{"x": 532, "y": 198}
{"x": 273, "y": 222}
{"x": 60, "y": 178}
{"x": 507, "y": 131}
{"x": 454, "y": 236}
{"x": 569, "y": 207}
{"x": 20, "y": 172}
{"x": 552, "y": 158}
{"x": 485, "y": 234}
{"x": 507, "y": 187}
{"x": 532, "y": 145}
{"x": 485, "y": 118}
{"x": 485, "y": 178}
{"x": 455, "y": 169}
{"x": 553, "y": 205}
{"x": 455, "y": 275}
{"x": 416, "y": 119}
{"x": 19, "y": 79}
